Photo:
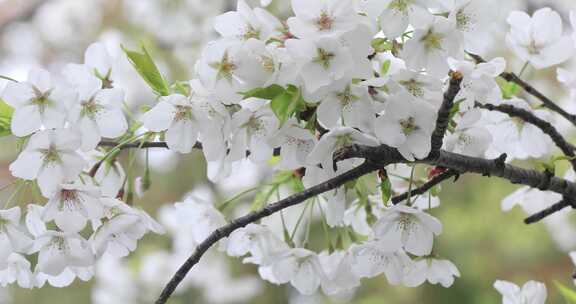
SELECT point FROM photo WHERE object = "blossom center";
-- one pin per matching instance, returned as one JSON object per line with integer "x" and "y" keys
{"x": 69, "y": 200}
{"x": 344, "y": 141}
{"x": 251, "y": 32}
{"x": 463, "y": 21}
{"x": 183, "y": 113}
{"x": 267, "y": 64}
{"x": 400, "y": 5}
{"x": 51, "y": 155}
{"x": 59, "y": 242}
{"x": 41, "y": 99}
{"x": 324, "y": 22}
{"x": 413, "y": 87}
{"x": 464, "y": 139}
{"x": 432, "y": 40}
{"x": 90, "y": 108}
{"x": 346, "y": 97}
{"x": 225, "y": 67}
{"x": 323, "y": 57}
{"x": 408, "y": 125}
{"x": 533, "y": 49}
{"x": 406, "y": 223}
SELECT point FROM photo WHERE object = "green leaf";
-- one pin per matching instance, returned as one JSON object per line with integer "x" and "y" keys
{"x": 181, "y": 87}
{"x": 381, "y": 45}
{"x": 385, "y": 67}
{"x": 386, "y": 190}
{"x": 509, "y": 89}
{"x": 262, "y": 197}
{"x": 6, "y": 113}
{"x": 568, "y": 293}
{"x": 268, "y": 93}
{"x": 145, "y": 66}
{"x": 288, "y": 104}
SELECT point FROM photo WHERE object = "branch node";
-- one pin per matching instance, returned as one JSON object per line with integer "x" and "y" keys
{"x": 500, "y": 162}
{"x": 546, "y": 179}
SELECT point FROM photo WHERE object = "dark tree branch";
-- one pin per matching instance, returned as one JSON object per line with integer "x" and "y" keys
{"x": 468, "y": 164}
{"x": 140, "y": 145}
{"x": 547, "y": 102}
{"x": 378, "y": 157}
{"x": 546, "y": 127}
{"x": 225, "y": 231}
{"x": 381, "y": 156}
{"x": 548, "y": 211}
{"x": 443, "y": 118}
{"x": 427, "y": 186}
{"x": 160, "y": 144}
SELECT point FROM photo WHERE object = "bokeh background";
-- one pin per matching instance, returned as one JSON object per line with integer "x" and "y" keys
{"x": 485, "y": 243}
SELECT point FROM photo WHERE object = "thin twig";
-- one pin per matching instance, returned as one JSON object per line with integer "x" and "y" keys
{"x": 546, "y": 127}
{"x": 226, "y": 230}
{"x": 378, "y": 157}
{"x": 546, "y": 102}
{"x": 427, "y": 186}
{"x": 443, "y": 118}
{"x": 468, "y": 164}
{"x": 547, "y": 212}
{"x": 140, "y": 145}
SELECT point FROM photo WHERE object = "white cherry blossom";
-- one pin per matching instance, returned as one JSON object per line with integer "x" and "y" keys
{"x": 37, "y": 103}
{"x": 515, "y": 137}
{"x": 475, "y": 21}
{"x": 408, "y": 227}
{"x": 419, "y": 85}
{"x": 346, "y": 103}
{"x": 433, "y": 42}
{"x": 98, "y": 111}
{"x": 50, "y": 157}
{"x": 469, "y": 137}
{"x": 12, "y": 237}
{"x": 334, "y": 140}
{"x": 532, "y": 292}
{"x": 395, "y": 15}
{"x": 478, "y": 81}
{"x": 73, "y": 205}
{"x": 123, "y": 227}
{"x": 407, "y": 124}
{"x": 17, "y": 270}
{"x": 241, "y": 24}
{"x": 253, "y": 129}
{"x": 296, "y": 143}
{"x": 538, "y": 39}
{"x": 58, "y": 251}
{"x": 257, "y": 240}
{"x": 340, "y": 276}
{"x": 433, "y": 270}
{"x": 373, "y": 258}
{"x": 316, "y": 18}
{"x": 300, "y": 267}
{"x": 323, "y": 61}
{"x": 179, "y": 117}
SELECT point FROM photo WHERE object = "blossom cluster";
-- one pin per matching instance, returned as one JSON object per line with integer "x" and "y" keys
{"x": 83, "y": 217}
{"x": 289, "y": 93}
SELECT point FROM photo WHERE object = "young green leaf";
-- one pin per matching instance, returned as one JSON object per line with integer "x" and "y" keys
{"x": 145, "y": 66}
{"x": 288, "y": 104}
{"x": 509, "y": 89}
{"x": 386, "y": 190}
{"x": 6, "y": 113}
{"x": 568, "y": 293}
{"x": 385, "y": 67}
{"x": 268, "y": 93}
